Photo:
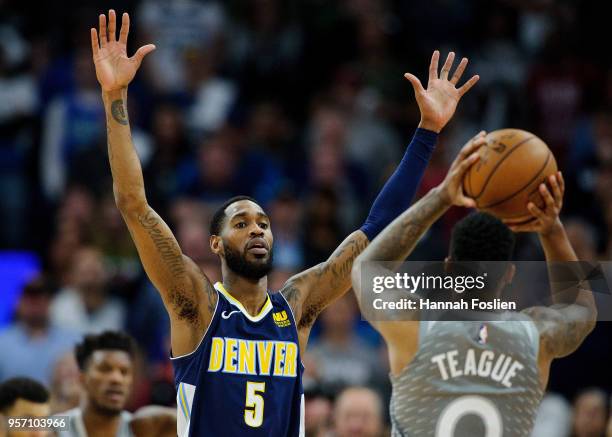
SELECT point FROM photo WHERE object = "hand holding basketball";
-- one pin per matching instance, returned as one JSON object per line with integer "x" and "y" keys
{"x": 545, "y": 219}
{"x": 114, "y": 69}
{"x": 451, "y": 188}
{"x": 438, "y": 102}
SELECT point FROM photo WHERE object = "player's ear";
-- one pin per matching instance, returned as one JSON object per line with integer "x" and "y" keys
{"x": 216, "y": 244}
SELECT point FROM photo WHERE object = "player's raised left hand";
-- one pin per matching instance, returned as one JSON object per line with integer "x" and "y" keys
{"x": 114, "y": 69}
{"x": 438, "y": 102}
{"x": 544, "y": 220}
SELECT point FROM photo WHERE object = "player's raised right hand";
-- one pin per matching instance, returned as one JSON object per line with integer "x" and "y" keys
{"x": 114, "y": 69}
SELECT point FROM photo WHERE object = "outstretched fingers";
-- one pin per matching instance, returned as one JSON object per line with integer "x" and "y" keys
{"x": 433, "y": 65}
{"x": 142, "y": 52}
{"x": 469, "y": 84}
{"x": 95, "y": 44}
{"x": 112, "y": 25}
{"x": 416, "y": 83}
{"x": 459, "y": 71}
{"x": 125, "y": 28}
{"x": 447, "y": 66}
{"x": 103, "y": 32}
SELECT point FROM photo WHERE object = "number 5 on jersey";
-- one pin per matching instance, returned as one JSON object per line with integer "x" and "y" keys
{"x": 254, "y": 407}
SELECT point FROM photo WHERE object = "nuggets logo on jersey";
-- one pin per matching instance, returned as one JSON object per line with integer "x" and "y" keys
{"x": 281, "y": 319}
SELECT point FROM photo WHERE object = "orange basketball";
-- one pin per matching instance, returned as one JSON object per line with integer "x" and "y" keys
{"x": 512, "y": 165}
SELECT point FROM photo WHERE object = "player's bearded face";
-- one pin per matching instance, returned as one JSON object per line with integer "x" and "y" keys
{"x": 254, "y": 267}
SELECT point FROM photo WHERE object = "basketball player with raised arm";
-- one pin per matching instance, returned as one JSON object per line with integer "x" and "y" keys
{"x": 474, "y": 378}
{"x": 235, "y": 346}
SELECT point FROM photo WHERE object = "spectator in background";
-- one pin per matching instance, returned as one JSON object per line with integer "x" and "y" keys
{"x": 369, "y": 140}
{"x": 23, "y": 397}
{"x": 170, "y": 150}
{"x": 583, "y": 238}
{"x": 330, "y": 168}
{"x": 107, "y": 364}
{"x": 285, "y": 212}
{"x": 111, "y": 237}
{"x": 590, "y": 413}
{"x": 342, "y": 358}
{"x": 84, "y": 304}
{"x": 317, "y": 413}
{"x": 278, "y": 277}
{"x": 213, "y": 176}
{"x": 264, "y": 49}
{"x": 32, "y": 344}
{"x": 358, "y": 413}
{"x": 322, "y": 230}
{"x": 554, "y": 417}
{"x": 213, "y": 96}
{"x": 73, "y": 126}
{"x": 18, "y": 106}
{"x": 65, "y": 384}
{"x": 556, "y": 88}
{"x": 175, "y": 28}
{"x": 503, "y": 68}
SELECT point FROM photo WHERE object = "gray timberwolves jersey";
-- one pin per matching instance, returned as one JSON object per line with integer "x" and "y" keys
{"x": 77, "y": 426}
{"x": 469, "y": 379}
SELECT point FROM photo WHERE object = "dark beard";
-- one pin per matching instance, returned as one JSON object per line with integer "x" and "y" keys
{"x": 103, "y": 410}
{"x": 238, "y": 264}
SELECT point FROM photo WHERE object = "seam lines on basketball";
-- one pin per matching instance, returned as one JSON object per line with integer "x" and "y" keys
{"x": 537, "y": 175}
{"x": 492, "y": 172}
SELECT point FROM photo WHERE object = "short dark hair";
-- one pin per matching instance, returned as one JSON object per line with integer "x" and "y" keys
{"x": 107, "y": 340}
{"x": 37, "y": 286}
{"x": 219, "y": 215}
{"x": 21, "y": 388}
{"x": 481, "y": 237}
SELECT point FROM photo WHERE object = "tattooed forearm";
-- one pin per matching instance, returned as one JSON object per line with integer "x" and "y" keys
{"x": 165, "y": 245}
{"x": 398, "y": 239}
{"x": 337, "y": 270}
{"x": 118, "y": 112}
{"x": 562, "y": 328}
{"x": 313, "y": 290}
{"x": 108, "y": 144}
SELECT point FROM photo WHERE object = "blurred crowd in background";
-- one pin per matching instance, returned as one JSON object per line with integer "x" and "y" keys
{"x": 303, "y": 105}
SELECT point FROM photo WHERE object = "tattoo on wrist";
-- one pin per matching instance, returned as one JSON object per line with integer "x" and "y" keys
{"x": 118, "y": 112}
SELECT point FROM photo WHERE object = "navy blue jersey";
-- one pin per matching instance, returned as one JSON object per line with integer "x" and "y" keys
{"x": 245, "y": 377}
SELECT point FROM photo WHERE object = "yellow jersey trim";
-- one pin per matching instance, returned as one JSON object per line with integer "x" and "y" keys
{"x": 264, "y": 310}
